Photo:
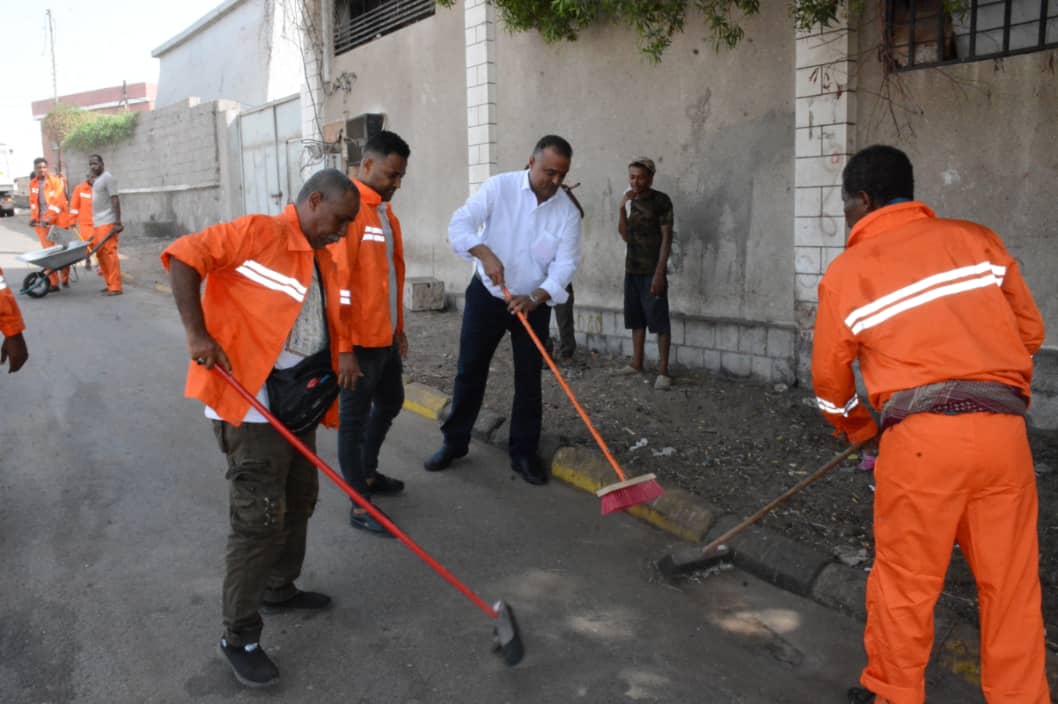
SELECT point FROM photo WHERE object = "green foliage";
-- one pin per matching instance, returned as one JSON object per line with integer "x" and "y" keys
{"x": 101, "y": 130}
{"x": 63, "y": 120}
{"x": 656, "y": 21}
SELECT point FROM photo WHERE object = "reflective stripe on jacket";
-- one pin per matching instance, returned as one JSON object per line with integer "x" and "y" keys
{"x": 11, "y": 322}
{"x": 364, "y": 269}
{"x": 257, "y": 271}
{"x": 919, "y": 300}
{"x": 81, "y": 204}
{"x": 54, "y": 197}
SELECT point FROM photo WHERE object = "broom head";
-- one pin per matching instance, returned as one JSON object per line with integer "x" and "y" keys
{"x": 631, "y": 492}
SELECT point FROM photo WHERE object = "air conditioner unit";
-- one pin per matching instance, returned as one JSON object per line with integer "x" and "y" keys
{"x": 357, "y": 131}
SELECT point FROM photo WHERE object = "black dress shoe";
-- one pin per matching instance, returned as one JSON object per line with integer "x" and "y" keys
{"x": 306, "y": 601}
{"x": 859, "y": 695}
{"x": 529, "y": 469}
{"x": 442, "y": 459}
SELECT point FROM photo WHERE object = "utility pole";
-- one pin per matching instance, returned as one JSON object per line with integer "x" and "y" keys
{"x": 54, "y": 79}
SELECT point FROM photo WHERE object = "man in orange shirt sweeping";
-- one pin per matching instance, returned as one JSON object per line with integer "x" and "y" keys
{"x": 271, "y": 305}
{"x": 944, "y": 328}
{"x": 47, "y": 208}
{"x": 13, "y": 347}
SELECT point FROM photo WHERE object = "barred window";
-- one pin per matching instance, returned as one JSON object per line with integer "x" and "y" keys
{"x": 356, "y": 22}
{"x": 921, "y": 33}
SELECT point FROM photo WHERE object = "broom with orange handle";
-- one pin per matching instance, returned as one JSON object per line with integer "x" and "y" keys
{"x": 625, "y": 493}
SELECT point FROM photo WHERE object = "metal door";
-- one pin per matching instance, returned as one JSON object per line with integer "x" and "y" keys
{"x": 271, "y": 151}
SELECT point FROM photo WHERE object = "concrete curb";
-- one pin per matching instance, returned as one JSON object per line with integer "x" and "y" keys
{"x": 427, "y": 402}
{"x": 676, "y": 512}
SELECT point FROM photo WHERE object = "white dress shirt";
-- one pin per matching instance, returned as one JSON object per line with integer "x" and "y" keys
{"x": 538, "y": 244}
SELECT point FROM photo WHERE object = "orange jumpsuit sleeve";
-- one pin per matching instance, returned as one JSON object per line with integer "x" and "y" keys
{"x": 75, "y": 201}
{"x": 1030, "y": 322}
{"x": 11, "y": 322}
{"x": 834, "y": 349}
{"x": 347, "y": 255}
{"x": 222, "y": 246}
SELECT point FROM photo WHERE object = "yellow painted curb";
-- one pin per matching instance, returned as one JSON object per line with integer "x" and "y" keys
{"x": 421, "y": 399}
{"x": 676, "y": 511}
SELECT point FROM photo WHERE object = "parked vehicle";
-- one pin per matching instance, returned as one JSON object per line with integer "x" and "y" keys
{"x": 7, "y": 181}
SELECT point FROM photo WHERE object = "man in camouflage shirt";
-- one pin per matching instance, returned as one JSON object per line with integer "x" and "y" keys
{"x": 645, "y": 224}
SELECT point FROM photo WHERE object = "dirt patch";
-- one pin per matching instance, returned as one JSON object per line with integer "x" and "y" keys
{"x": 736, "y": 443}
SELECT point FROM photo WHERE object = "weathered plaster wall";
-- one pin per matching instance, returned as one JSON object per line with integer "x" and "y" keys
{"x": 983, "y": 138}
{"x": 720, "y": 126}
{"x": 415, "y": 77}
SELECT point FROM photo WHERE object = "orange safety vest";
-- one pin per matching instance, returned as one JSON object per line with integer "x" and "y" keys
{"x": 919, "y": 300}
{"x": 364, "y": 269}
{"x": 54, "y": 196}
{"x": 81, "y": 204}
{"x": 257, "y": 270}
{"x": 11, "y": 322}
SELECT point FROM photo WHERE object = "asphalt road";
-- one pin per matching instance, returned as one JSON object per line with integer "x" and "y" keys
{"x": 114, "y": 517}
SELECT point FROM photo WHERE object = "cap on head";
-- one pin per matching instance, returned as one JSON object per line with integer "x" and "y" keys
{"x": 643, "y": 162}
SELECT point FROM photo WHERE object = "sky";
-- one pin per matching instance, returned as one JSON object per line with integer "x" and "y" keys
{"x": 97, "y": 44}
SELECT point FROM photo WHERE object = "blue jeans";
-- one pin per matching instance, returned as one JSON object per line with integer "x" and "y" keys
{"x": 366, "y": 413}
{"x": 485, "y": 320}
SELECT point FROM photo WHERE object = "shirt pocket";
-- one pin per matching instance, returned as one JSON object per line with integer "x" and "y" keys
{"x": 544, "y": 247}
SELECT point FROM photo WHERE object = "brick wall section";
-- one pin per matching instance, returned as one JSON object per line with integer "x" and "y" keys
{"x": 480, "y": 27}
{"x": 825, "y": 126}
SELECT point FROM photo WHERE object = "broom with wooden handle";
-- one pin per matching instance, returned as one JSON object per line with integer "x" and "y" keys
{"x": 625, "y": 493}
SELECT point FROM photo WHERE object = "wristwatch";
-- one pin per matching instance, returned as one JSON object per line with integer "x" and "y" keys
{"x": 533, "y": 298}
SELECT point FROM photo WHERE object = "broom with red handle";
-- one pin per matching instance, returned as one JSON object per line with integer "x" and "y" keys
{"x": 625, "y": 493}
{"x": 508, "y": 638}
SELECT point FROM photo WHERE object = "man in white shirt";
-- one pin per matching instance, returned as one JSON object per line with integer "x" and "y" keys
{"x": 523, "y": 232}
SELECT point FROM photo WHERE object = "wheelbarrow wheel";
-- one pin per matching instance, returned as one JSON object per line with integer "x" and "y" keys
{"x": 36, "y": 285}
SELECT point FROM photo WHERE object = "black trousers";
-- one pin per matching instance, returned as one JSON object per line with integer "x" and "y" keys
{"x": 485, "y": 321}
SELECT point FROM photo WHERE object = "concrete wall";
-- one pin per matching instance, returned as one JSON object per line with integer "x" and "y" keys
{"x": 179, "y": 172}
{"x": 415, "y": 77}
{"x": 723, "y": 144}
{"x": 240, "y": 51}
{"x": 983, "y": 138}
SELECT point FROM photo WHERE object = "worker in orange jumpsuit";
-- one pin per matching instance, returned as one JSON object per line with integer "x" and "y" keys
{"x": 47, "y": 207}
{"x": 944, "y": 328}
{"x": 81, "y": 211}
{"x": 13, "y": 347}
{"x": 271, "y": 303}
{"x": 106, "y": 224}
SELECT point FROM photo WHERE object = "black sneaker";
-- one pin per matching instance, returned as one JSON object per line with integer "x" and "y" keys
{"x": 378, "y": 484}
{"x": 359, "y": 518}
{"x": 859, "y": 695}
{"x": 301, "y": 601}
{"x": 250, "y": 664}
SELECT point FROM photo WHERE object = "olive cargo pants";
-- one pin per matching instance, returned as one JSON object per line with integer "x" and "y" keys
{"x": 272, "y": 492}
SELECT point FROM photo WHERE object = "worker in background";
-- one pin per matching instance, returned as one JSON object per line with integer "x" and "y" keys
{"x": 81, "y": 212}
{"x": 944, "y": 328}
{"x": 371, "y": 263}
{"x": 47, "y": 209}
{"x": 106, "y": 218}
{"x": 270, "y": 307}
{"x": 13, "y": 351}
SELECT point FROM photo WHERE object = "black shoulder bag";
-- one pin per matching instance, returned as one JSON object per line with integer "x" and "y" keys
{"x": 300, "y": 395}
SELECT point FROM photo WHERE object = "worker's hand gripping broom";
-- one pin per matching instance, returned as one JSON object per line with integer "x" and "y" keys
{"x": 507, "y": 637}
{"x": 625, "y": 493}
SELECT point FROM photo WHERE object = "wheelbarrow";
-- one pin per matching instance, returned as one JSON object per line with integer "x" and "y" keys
{"x": 51, "y": 260}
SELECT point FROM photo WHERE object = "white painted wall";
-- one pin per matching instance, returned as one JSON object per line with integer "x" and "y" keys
{"x": 243, "y": 50}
